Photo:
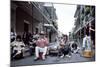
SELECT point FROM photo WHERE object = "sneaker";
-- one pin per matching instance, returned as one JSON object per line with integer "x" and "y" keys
{"x": 36, "y": 59}
{"x": 62, "y": 56}
{"x": 68, "y": 56}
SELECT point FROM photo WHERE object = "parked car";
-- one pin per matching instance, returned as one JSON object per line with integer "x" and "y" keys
{"x": 53, "y": 48}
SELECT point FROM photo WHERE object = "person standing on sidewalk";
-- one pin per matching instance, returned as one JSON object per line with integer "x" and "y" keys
{"x": 41, "y": 43}
{"x": 13, "y": 35}
{"x": 87, "y": 46}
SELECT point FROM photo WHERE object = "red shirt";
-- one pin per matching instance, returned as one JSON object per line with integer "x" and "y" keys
{"x": 42, "y": 42}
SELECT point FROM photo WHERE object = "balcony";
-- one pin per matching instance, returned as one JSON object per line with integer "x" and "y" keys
{"x": 42, "y": 8}
{"x": 87, "y": 10}
{"x": 92, "y": 12}
{"x": 88, "y": 19}
{"x": 46, "y": 13}
{"x": 77, "y": 21}
{"x": 77, "y": 28}
{"x": 42, "y": 11}
{"x": 82, "y": 17}
{"x": 55, "y": 24}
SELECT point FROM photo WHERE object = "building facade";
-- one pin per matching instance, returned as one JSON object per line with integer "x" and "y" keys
{"x": 33, "y": 17}
{"x": 84, "y": 19}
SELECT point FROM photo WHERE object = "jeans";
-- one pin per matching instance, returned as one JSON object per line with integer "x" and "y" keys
{"x": 39, "y": 49}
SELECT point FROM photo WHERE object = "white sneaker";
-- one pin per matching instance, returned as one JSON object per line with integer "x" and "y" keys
{"x": 35, "y": 59}
{"x": 68, "y": 56}
{"x": 62, "y": 56}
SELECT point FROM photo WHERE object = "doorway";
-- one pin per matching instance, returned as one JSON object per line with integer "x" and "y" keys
{"x": 26, "y": 27}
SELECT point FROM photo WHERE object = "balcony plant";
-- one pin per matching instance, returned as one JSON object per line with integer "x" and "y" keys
{"x": 87, "y": 10}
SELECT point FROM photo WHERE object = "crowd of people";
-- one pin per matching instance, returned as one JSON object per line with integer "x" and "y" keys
{"x": 38, "y": 45}
{"x": 35, "y": 42}
{"x": 66, "y": 48}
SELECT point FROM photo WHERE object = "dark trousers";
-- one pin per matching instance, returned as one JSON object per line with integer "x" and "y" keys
{"x": 64, "y": 51}
{"x": 12, "y": 39}
{"x": 13, "y": 53}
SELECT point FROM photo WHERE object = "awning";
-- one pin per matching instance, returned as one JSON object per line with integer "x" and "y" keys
{"x": 84, "y": 25}
{"x": 50, "y": 26}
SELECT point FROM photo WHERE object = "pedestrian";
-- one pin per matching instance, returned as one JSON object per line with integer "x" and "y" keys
{"x": 35, "y": 38}
{"x": 24, "y": 38}
{"x": 13, "y": 35}
{"x": 75, "y": 48}
{"x": 87, "y": 46}
{"x": 41, "y": 43}
{"x": 62, "y": 43}
{"x": 28, "y": 37}
{"x": 61, "y": 47}
{"x": 92, "y": 31}
{"x": 32, "y": 42}
{"x": 18, "y": 46}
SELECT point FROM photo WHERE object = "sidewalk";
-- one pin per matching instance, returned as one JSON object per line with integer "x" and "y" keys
{"x": 51, "y": 60}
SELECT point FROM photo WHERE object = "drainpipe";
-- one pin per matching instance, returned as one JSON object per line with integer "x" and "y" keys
{"x": 32, "y": 17}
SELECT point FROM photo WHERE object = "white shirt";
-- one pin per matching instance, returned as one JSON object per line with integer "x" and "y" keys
{"x": 18, "y": 45}
{"x": 36, "y": 36}
{"x": 13, "y": 35}
{"x": 62, "y": 42}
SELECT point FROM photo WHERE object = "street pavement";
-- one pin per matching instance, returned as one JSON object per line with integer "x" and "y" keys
{"x": 29, "y": 60}
{"x": 50, "y": 60}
